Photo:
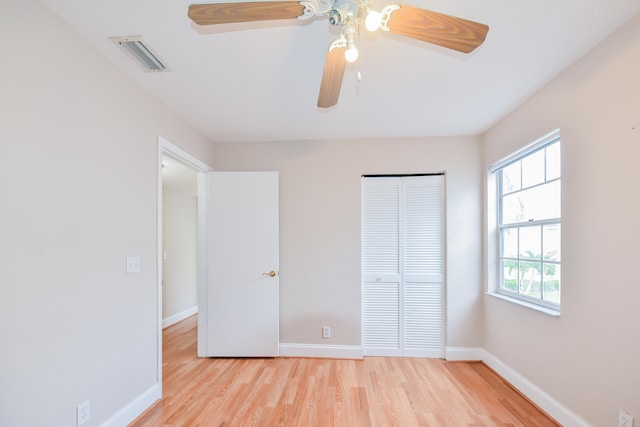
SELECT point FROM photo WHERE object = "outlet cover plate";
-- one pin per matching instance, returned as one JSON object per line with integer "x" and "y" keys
{"x": 133, "y": 264}
{"x": 83, "y": 412}
{"x": 624, "y": 419}
{"x": 326, "y": 332}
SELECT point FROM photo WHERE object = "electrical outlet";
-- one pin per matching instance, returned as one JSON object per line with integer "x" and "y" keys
{"x": 83, "y": 412}
{"x": 133, "y": 264}
{"x": 624, "y": 419}
{"x": 326, "y": 332}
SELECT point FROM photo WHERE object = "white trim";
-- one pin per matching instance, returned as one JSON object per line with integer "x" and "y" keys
{"x": 159, "y": 267}
{"x": 172, "y": 320}
{"x": 181, "y": 155}
{"x": 463, "y": 354}
{"x": 428, "y": 353}
{"x": 545, "y": 402}
{"x": 203, "y": 265}
{"x": 321, "y": 351}
{"x": 136, "y": 407}
{"x": 527, "y": 149}
{"x": 381, "y": 352}
{"x": 524, "y": 303}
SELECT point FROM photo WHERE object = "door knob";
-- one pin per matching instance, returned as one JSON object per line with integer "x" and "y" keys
{"x": 270, "y": 274}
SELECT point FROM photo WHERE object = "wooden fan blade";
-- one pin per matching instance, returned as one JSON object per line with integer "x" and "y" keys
{"x": 332, "y": 77}
{"x": 437, "y": 28}
{"x": 223, "y": 13}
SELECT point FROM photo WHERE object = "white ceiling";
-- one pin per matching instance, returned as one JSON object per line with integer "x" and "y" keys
{"x": 260, "y": 81}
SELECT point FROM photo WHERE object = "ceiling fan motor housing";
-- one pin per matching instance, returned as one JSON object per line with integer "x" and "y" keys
{"x": 335, "y": 18}
{"x": 342, "y": 12}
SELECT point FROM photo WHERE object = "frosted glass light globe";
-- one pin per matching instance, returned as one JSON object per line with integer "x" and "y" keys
{"x": 373, "y": 20}
{"x": 351, "y": 54}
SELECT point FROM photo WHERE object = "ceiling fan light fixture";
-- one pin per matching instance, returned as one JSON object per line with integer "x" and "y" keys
{"x": 351, "y": 54}
{"x": 373, "y": 20}
{"x": 424, "y": 25}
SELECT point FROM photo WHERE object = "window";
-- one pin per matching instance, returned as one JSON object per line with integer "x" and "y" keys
{"x": 528, "y": 223}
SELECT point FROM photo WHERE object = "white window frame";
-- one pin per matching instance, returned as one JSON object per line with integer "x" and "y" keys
{"x": 495, "y": 263}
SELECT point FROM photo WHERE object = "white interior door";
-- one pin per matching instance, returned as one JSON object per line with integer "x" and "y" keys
{"x": 242, "y": 317}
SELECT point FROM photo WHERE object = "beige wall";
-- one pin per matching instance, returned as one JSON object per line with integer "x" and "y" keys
{"x": 179, "y": 246}
{"x": 320, "y": 227}
{"x": 589, "y": 358}
{"x": 78, "y": 193}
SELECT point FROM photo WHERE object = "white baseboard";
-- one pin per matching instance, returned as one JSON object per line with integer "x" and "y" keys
{"x": 136, "y": 407}
{"x": 179, "y": 316}
{"x": 547, "y": 403}
{"x": 320, "y": 350}
{"x": 467, "y": 354}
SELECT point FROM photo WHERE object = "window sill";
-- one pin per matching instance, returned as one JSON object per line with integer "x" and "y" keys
{"x": 535, "y": 307}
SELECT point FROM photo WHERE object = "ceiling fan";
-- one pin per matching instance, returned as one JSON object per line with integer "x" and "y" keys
{"x": 421, "y": 24}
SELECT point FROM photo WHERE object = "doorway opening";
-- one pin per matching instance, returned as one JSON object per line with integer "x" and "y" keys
{"x": 183, "y": 162}
{"x": 179, "y": 241}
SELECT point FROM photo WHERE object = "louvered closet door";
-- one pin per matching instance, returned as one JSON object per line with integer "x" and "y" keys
{"x": 381, "y": 266}
{"x": 422, "y": 269}
{"x": 402, "y": 266}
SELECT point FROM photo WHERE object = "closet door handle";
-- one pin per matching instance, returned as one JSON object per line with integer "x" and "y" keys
{"x": 270, "y": 274}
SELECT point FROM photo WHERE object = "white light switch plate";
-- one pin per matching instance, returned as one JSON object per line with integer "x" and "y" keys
{"x": 133, "y": 264}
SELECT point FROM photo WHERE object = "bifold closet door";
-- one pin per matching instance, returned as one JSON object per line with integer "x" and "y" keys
{"x": 403, "y": 266}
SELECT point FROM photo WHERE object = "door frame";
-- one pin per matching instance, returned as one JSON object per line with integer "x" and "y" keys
{"x": 166, "y": 148}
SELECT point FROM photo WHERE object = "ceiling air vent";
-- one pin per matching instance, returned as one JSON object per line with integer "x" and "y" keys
{"x": 136, "y": 49}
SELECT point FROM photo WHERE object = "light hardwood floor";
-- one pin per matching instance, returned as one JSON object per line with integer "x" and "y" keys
{"x": 329, "y": 392}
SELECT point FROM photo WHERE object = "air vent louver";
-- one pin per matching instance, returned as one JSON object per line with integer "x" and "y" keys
{"x": 144, "y": 56}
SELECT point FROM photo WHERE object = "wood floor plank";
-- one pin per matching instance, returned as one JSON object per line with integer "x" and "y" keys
{"x": 303, "y": 392}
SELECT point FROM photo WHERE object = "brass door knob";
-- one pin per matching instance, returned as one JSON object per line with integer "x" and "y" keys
{"x": 270, "y": 274}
